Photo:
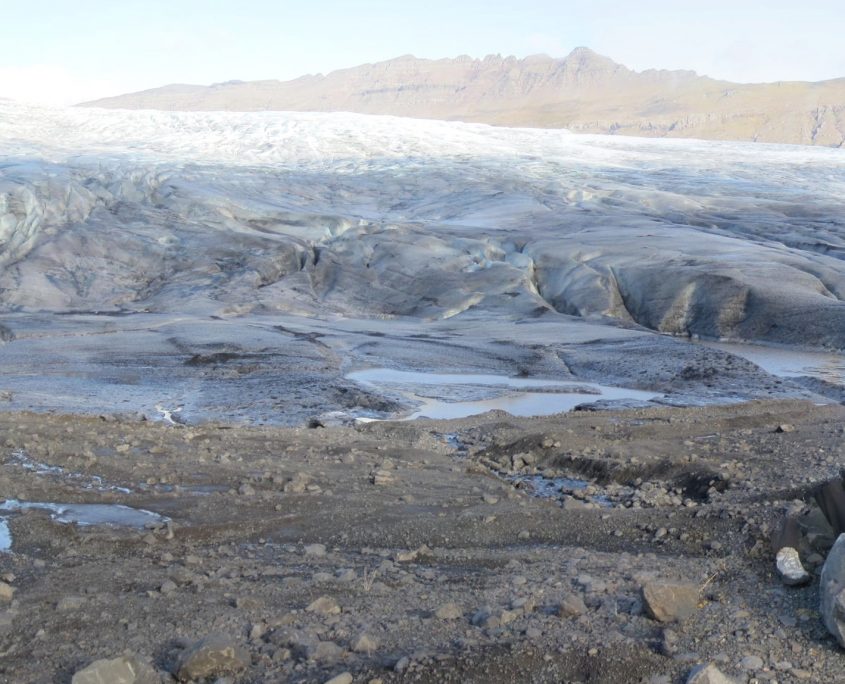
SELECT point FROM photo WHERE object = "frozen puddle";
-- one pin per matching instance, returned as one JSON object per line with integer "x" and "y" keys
{"x": 89, "y": 514}
{"x": 444, "y": 396}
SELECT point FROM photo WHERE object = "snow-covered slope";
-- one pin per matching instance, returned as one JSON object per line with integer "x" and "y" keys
{"x": 229, "y": 213}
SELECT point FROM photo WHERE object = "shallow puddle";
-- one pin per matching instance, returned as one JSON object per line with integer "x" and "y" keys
{"x": 89, "y": 514}
{"x": 445, "y": 396}
{"x": 788, "y": 363}
{"x": 5, "y": 535}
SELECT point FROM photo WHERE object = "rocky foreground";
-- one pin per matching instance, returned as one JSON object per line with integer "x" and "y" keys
{"x": 418, "y": 551}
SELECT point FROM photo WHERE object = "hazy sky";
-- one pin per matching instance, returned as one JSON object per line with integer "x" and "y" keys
{"x": 64, "y": 51}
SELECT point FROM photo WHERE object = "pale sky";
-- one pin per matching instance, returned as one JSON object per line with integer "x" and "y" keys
{"x": 67, "y": 51}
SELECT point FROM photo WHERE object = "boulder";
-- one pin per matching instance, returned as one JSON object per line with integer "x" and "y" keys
{"x": 708, "y": 674}
{"x": 343, "y": 678}
{"x": 216, "y": 654}
{"x": 670, "y": 601}
{"x": 832, "y": 591}
{"x": 122, "y": 670}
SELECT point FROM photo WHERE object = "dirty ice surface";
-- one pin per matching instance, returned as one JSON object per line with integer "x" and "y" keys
{"x": 232, "y": 266}
{"x": 435, "y": 392}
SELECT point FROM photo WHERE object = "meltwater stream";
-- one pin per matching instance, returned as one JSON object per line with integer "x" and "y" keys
{"x": 458, "y": 395}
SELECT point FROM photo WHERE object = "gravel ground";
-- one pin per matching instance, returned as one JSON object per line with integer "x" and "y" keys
{"x": 420, "y": 551}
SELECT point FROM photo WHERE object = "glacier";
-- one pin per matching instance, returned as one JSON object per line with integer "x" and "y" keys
{"x": 158, "y": 256}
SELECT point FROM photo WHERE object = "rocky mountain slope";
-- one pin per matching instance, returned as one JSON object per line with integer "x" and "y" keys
{"x": 585, "y": 92}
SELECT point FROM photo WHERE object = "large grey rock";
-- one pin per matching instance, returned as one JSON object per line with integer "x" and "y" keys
{"x": 670, "y": 601}
{"x": 832, "y": 591}
{"x": 121, "y": 670}
{"x": 216, "y": 654}
{"x": 342, "y": 678}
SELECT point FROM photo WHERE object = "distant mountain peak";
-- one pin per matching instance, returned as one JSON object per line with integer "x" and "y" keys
{"x": 584, "y": 91}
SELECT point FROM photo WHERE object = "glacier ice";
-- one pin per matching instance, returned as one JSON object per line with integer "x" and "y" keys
{"x": 242, "y": 217}
{"x": 382, "y": 216}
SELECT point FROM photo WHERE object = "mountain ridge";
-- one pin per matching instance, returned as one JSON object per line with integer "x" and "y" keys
{"x": 584, "y": 92}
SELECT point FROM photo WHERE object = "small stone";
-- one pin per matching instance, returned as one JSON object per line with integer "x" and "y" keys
{"x": 325, "y": 605}
{"x": 785, "y": 427}
{"x": 216, "y": 654}
{"x": 346, "y": 575}
{"x": 490, "y": 499}
{"x": 449, "y": 611}
{"x": 246, "y": 490}
{"x": 570, "y": 503}
{"x": 6, "y": 592}
{"x": 489, "y": 619}
{"x": 168, "y": 587}
{"x": 365, "y": 644}
{"x": 708, "y": 674}
{"x": 571, "y": 605}
{"x": 325, "y": 652}
{"x": 69, "y": 603}
{"x": 751, "y": 662}
{"x": 122, "y": 670}
{"x": 670, "y": 601}
{"x": 789, "y": 567}
{"x": 524, "y": 534}
{"x": 317, "y": 550}
{"x": 402, "y": 664}
{"x": 669, "y": 643}
{"x": 343, "y": 678}
{"x": 526, "y": 605}
{"x": 248, "y": 603}
{"x": 406, "y": 556}
{"x": 381, "y": 477}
